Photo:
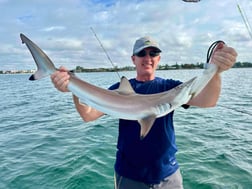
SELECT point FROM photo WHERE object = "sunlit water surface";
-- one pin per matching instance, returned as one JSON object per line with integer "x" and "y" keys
{"x": 44, "y": 143}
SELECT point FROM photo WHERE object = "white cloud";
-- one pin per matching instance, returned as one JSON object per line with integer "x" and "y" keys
{"x": 184, "y": 30}
{"x": 53, "y": 28}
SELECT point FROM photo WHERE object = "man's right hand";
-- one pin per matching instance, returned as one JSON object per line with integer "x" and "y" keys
{"x": 60, "y": 79}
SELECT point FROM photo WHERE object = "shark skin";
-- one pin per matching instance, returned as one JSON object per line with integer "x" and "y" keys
{"x": 123, "y": 103}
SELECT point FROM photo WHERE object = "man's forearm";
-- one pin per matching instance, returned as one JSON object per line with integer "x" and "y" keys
{"x": 86, "y": 112}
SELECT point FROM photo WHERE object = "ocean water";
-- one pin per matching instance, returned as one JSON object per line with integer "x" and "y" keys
{"x": 44, "y": 143}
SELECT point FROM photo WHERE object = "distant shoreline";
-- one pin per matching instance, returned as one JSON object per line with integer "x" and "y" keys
{"x": 80, "y": 69}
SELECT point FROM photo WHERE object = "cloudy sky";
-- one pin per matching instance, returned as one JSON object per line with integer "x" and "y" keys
{"x": 62, "y": 29}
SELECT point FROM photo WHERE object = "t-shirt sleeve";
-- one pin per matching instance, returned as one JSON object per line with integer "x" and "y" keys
{"x": 115, "y": 86}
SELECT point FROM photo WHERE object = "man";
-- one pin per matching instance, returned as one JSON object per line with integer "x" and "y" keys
{"x": 151, "y": 162}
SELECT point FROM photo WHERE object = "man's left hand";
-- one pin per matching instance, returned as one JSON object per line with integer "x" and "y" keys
{"x": 224, "y": 57}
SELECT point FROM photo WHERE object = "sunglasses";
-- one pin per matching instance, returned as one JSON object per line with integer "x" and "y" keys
{"x": 143, "y": 53}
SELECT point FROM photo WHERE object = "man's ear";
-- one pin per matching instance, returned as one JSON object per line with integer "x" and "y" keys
{"x": 133, "y": 59}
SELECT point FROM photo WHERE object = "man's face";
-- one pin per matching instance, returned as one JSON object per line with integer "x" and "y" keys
{"x": 146, "y": 62}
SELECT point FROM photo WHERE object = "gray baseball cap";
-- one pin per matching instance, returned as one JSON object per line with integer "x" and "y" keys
{"x": 143, "y": 43}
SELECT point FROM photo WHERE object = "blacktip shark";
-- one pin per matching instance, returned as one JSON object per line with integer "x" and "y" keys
{"x": 124, "y": 103}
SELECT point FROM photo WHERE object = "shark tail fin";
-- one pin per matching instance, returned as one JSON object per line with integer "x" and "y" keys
{"x": 45, "y": 66}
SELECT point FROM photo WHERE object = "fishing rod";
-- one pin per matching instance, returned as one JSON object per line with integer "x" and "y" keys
{"x": 244, "y": 18}
{"x": 105, "y": 52}
{"x": 236, "y": 110}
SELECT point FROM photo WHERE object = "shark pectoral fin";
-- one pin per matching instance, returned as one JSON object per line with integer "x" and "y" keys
{"x": 125, "y": 87}
{"x": 146, "y": 125}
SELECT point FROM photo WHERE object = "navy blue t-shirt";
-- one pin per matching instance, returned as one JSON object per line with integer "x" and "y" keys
{"x": 151, "y": 159}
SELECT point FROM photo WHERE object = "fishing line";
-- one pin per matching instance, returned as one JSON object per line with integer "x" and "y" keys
{"x": 240, "y": 111}
{"x": 244, "y": 18}
{"x": 105, "y": 52}
{"x": 211, "y": 49}
{"x": 209, "y": 54}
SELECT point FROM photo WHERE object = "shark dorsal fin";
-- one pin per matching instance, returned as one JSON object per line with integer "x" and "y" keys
{"x": 146, "y": 125}
{"x": 125, "y": 87}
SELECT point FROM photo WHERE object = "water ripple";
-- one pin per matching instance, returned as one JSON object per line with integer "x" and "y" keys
{"x": 44, "y": 143}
